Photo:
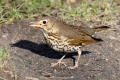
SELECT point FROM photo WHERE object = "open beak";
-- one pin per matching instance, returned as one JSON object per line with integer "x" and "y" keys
{"x": 35, "y": 24}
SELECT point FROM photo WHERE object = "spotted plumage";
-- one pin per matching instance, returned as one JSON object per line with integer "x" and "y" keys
{"x": 66, "y": 38}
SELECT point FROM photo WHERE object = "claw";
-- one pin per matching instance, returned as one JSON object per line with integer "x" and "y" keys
{"x": 58, "y": 63}
{"x": 73, "y": 67}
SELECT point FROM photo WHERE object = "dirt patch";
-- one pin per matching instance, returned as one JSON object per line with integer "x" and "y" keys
{"x": 32, "y": 57}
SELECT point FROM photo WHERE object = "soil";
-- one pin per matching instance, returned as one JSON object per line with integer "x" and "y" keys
{"x": 31, "y": 57}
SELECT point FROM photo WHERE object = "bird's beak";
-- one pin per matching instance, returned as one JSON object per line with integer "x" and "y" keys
{"x": 35, "y": 24}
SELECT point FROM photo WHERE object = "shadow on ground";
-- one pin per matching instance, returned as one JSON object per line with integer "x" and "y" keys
{"x": 32, "y": 57}
{"x": 44, "y": 49}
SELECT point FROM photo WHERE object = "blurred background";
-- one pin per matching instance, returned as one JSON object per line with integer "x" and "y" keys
{"x": 98, "y": 11}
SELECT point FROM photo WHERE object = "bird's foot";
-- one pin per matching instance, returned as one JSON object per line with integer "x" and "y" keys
{"x": 58, "y": 63}
{"x": 73, "y": 67}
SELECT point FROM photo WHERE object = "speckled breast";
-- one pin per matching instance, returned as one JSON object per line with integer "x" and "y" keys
{"x": 60, "y": 45}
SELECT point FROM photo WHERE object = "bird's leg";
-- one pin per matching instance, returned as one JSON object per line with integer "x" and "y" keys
{"x": 76, "y": 63}
{"x": 59, "y": 62}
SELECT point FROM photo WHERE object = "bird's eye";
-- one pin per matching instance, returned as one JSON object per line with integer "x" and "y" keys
{"x": 44, "y": 22}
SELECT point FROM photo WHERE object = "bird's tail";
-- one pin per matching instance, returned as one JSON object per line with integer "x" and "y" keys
{"x": 101, "y": 28}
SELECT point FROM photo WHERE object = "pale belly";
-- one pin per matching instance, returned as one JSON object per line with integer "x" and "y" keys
{"x": 62, "y": 46}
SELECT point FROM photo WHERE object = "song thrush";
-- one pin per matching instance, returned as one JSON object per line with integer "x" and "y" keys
{"x": 66, "y": 38}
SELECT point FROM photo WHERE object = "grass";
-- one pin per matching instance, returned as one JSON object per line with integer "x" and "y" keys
{"x": 2, "y": 78}
{"x": 19, "y": 9}
{"x": 4, "y": 54}
{"x": 85, "y": 11}
{"x": 102, "y": 9}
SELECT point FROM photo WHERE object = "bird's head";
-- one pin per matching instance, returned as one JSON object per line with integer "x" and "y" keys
{"x": 45, "y": 23}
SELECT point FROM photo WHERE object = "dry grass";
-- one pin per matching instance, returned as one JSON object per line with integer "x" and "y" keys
{"x": 85, "y": 11}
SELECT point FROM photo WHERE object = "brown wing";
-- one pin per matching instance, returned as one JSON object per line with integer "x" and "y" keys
{"x": 83, "y": 40}
{"x": 76, "y": 36}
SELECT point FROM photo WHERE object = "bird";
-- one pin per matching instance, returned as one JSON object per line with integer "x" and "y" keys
{"x": 66, "y": 38}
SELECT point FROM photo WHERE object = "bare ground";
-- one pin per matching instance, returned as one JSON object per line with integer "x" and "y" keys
{"x": 31, "y": 57}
